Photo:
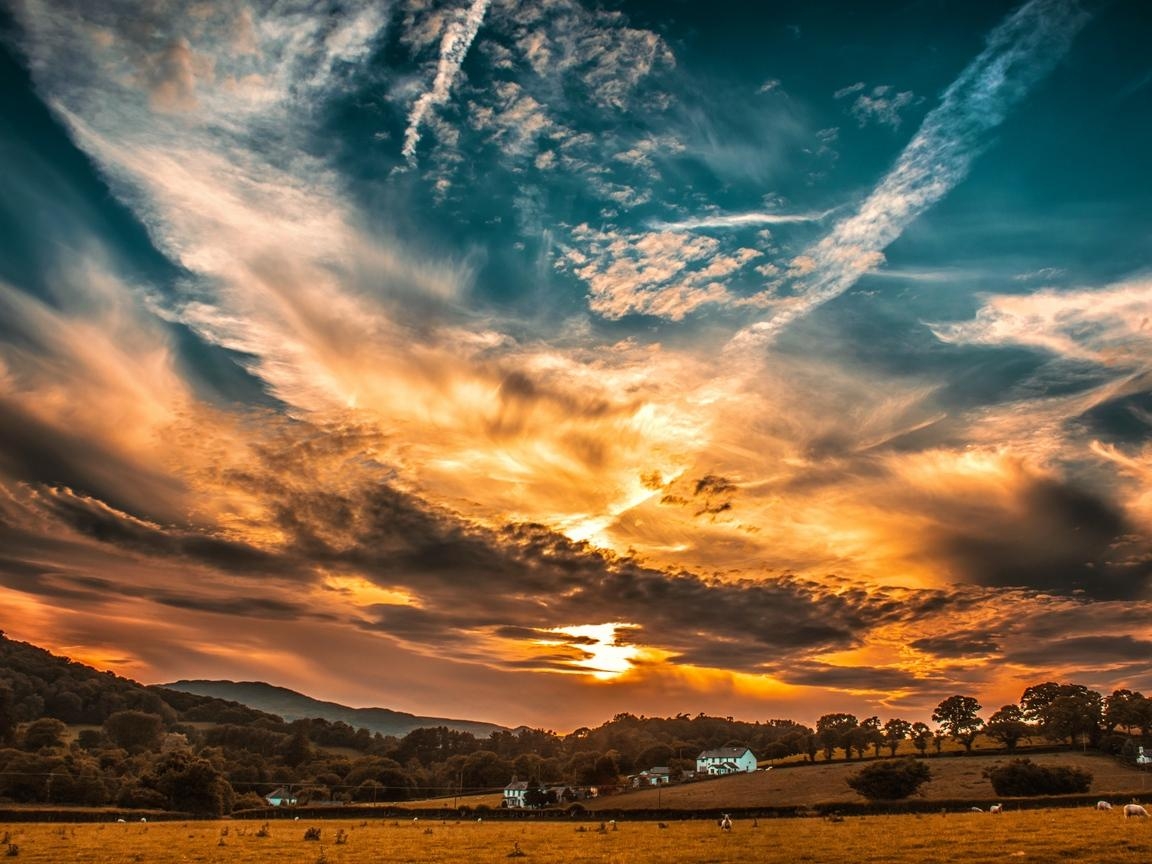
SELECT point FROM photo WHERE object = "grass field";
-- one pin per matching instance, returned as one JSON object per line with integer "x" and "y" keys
{"x": 806, "y": 785}
{"x": 1081, "y": 835}
{"x": 819, "y": 783}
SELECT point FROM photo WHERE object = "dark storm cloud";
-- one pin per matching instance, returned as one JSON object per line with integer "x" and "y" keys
{"x": 106, "y": 525}
{"x": 1125, "y": 419}
{"x": 959, "y": 645}
{"x": 35, "y": 452}
{"x": 1059, "y": 539}
{"x": 1085, "y": 650}
{"x": 851, "y": 677}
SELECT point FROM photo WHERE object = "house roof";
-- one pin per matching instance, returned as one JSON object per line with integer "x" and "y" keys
{"x": 516, "y": 786}
{"x": 280, "y": 793}
{"x": 724, "y": 753}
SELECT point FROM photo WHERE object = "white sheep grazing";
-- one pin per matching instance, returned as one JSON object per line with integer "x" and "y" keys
{"x": 975, "y": 810}
{"x": 726, "y": 822}
{"x": 1103, "y": 805}
{"x": 1135, "y": 810}
{"x": 996, "y": 808}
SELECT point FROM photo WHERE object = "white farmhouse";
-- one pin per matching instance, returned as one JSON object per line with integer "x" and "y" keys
{"x": 726, "y": 760}
{"x": 280, "y": 798}
{"x": 514, "y": 793}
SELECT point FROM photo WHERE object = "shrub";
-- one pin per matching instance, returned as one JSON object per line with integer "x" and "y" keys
{"x": 890, "y": 779}
{"x": 1023, "y": 777}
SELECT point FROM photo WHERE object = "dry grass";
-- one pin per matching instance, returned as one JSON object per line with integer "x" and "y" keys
{"x": 1081, "y": 835}
{"x": 819, "y": 783}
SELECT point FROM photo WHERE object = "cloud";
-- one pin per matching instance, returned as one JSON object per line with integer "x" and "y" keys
{"x": 881, "y": 106}
{"x": 668, "y": 274}
{"x": 1111, "y": 326}
{"x": 1019, "y": 53}
{"x": 454, "y": 45}
{"x": 740, "y": 220}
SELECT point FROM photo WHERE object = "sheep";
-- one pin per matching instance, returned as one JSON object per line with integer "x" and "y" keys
{"x": 975, "y": 810}
{"x": 1103, "y": 805}
{"x": 1135, "y": 810}
{"x": 996, "y": 808}
{"x": 726, "y": 822}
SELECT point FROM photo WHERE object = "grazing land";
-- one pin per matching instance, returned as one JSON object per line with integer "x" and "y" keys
{"x": 806, "y": 785}
{"x": 955, "y": 778}
{"x": 1082, "y": 835}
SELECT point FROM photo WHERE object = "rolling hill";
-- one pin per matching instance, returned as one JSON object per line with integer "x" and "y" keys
{"x": 296, "y": 706}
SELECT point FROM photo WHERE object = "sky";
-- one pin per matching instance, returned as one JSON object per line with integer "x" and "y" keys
{"x": 533, "y": 362}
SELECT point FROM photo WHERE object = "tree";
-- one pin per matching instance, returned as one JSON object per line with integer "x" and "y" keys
{"x": 1007, "y": 726}
{"x": 958, "y": 717}
{"x": 1064, "y": 710}
{"x": 890, "y": 780}
{"x": 1023, "y": 777}
{"x": 871, "y": 734}
{"x": 190, "y": 783}
{"x": 921, "y": 736}
{"x": 895, "y": 731}
{"x": 45, "y": 732}
{"x": 834, "y": 730}
{"x": 7, "y": 715}
{"x": 135, "y": 731}
{"x": 1125, "y": 709}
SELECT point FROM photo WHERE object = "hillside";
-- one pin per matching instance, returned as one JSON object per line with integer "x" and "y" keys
{"x": 296, "y": 706}
{"x": 805, "y": 785}
{"x": 35, "y": 683}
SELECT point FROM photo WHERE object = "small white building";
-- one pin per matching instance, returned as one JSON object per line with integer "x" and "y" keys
{"x": 280, "y": 798}
{"x": 726, "y": 760}
{"x": 514, "y": 793}
{"x": 1143, "y": 758}
{"x": 659, "y": 776}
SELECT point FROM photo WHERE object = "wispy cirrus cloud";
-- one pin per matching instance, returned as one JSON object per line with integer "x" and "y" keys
{"x": 454, "y": 45}
{"x": 741, "y": 220}
{"x": 1111, "y": 326}
{"x": 1019, "y": 53}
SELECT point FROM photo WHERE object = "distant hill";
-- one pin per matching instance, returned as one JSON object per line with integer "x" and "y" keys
{"x": 296, "y": 706}
{"x": 35, "y": 683}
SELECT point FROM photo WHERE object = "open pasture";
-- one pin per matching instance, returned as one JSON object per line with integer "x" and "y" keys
{"x": 1081, "y": 835}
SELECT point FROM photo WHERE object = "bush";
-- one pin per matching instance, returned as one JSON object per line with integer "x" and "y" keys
{"x": 890, "y": 779}
{"x": 1022, "y": 777}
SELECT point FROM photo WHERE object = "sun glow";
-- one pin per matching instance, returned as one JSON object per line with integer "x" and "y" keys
{"x": 604, "y": 656}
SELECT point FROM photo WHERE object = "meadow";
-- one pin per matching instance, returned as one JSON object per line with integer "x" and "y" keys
{"x": 1082, "y": 835}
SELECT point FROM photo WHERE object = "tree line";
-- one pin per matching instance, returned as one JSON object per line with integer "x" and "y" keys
{"x": 72, "y": 735}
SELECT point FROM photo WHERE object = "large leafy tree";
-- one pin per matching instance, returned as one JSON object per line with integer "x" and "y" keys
{"x": 895, "y": 731}
{"x": 1008, "y": 726}
{"x": 959, "y": 718}
{"x": 135, "y": 731}
{"x": 1064, "y": 711}
{"x": 1128, "y": 710}
{"x": 835, "y": 730}
{"x": 921, "y": 736}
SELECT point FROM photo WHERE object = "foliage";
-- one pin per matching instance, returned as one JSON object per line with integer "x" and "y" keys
{"x": 135, "y": 731}
{"x": 958, "y": 716}
{"x": 1023, "y": 777}
{"x": 1008, "y": 727}
{"x": 1064, "y": 711}
{"x": 890, "y": 779}
{"x": 836, "y": 730}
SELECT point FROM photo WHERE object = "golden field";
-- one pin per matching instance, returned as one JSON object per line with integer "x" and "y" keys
{"x": 807, "y": 785}
{"x": 1081, "y": 835}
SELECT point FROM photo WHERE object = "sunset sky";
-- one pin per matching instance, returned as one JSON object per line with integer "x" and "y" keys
{"x": 532, "y": 361}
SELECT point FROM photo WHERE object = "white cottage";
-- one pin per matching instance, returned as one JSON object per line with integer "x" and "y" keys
{"x": 280, "y": 798}
{"x": 726, "y": 760}
{"x": 514, "y": 793}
